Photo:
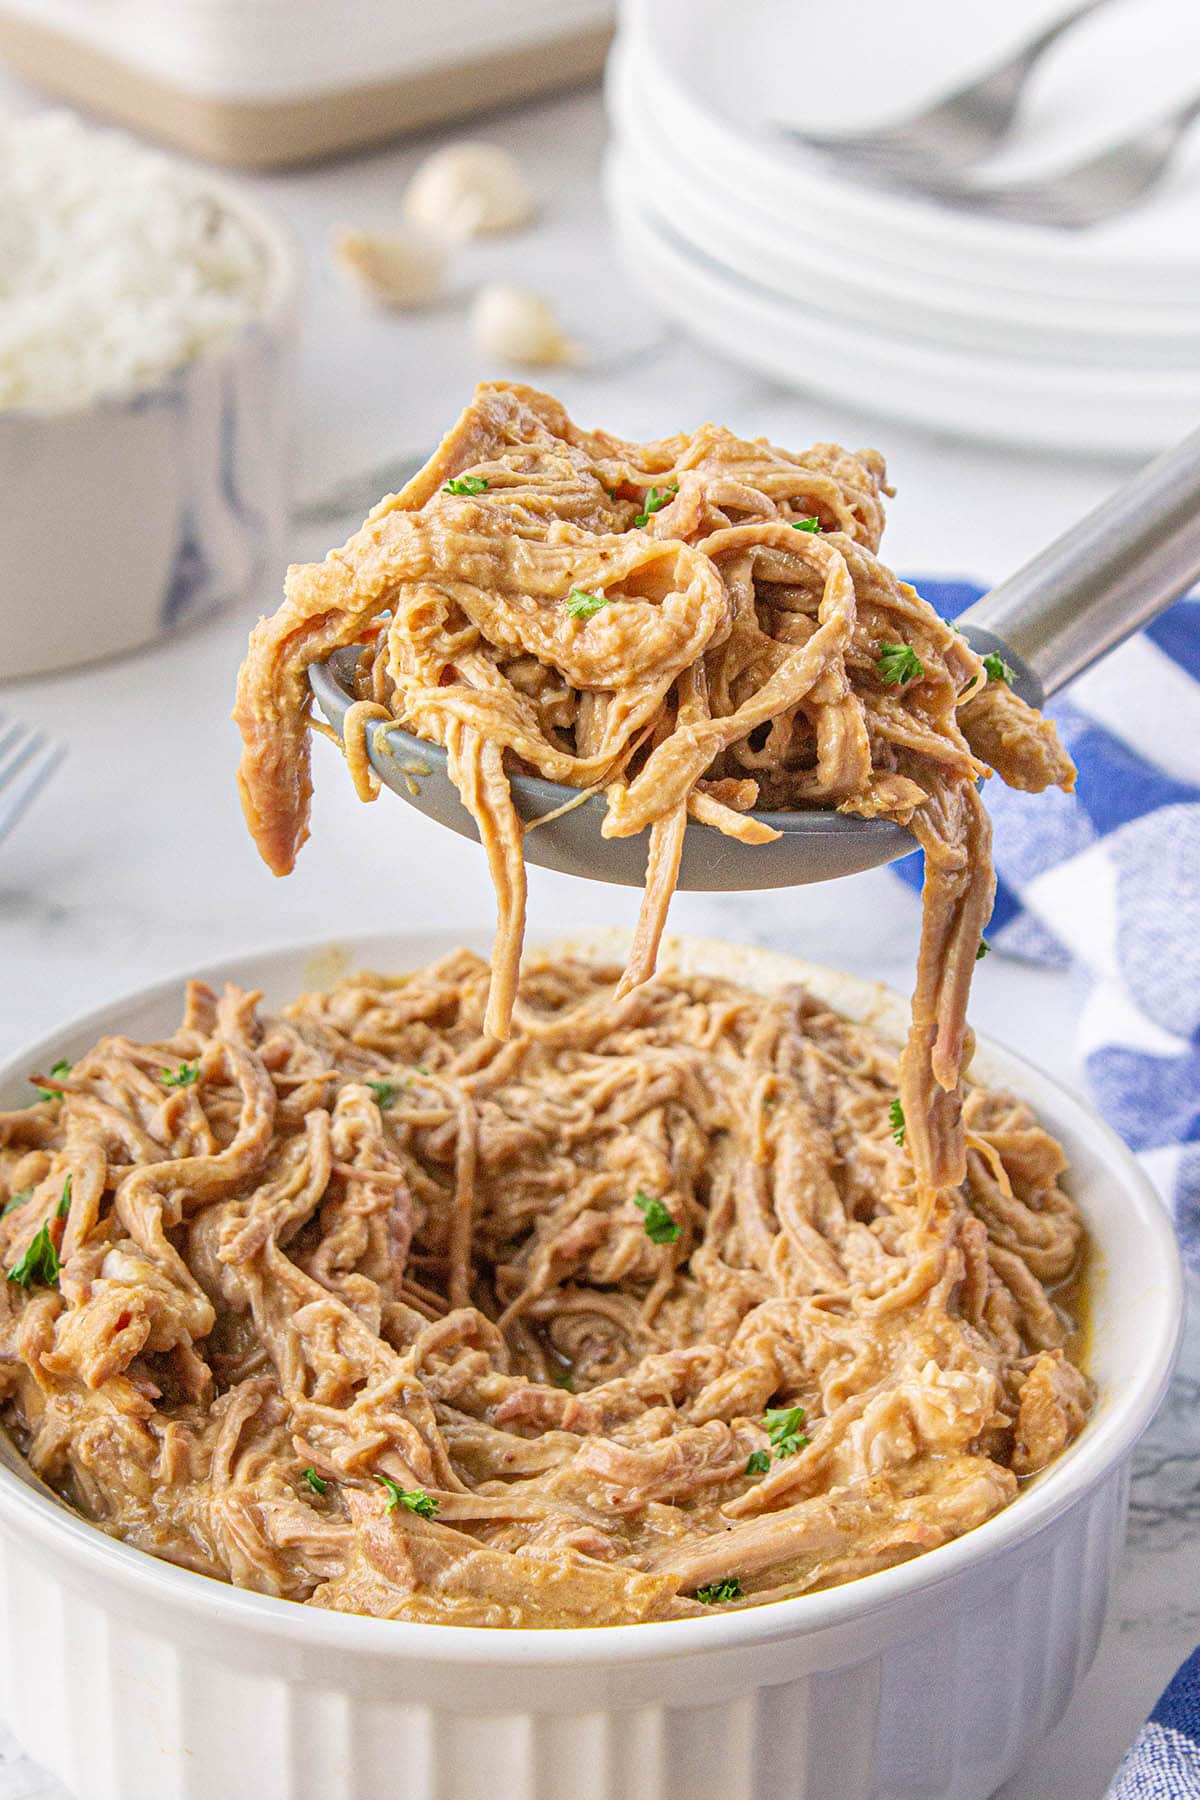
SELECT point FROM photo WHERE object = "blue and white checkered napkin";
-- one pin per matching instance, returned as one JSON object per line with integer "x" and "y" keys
{"x": 1105, "y": 882}
{"x": 1164, "y": 1762}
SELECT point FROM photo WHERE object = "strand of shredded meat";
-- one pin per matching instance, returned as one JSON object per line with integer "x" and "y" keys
{"x": 730, "y": 661}
{"x": 366, "y": 1240}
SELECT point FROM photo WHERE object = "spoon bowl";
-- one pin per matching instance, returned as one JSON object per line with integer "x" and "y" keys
{"x": 1106, "y": 576}
{"x": 813, "y": 846}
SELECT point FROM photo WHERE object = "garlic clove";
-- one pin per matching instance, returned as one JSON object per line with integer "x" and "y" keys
{"x": 404, "y": 269}
{"x": 515, "y": 325}
{"x": 467, "y": 189}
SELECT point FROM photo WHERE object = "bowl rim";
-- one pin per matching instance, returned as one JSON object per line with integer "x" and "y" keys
{"x": 1100, "y": 1449}
{"x": 280, "y": 301}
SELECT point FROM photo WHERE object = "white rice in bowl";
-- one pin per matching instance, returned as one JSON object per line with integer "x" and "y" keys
{"x": 117, "y": 265}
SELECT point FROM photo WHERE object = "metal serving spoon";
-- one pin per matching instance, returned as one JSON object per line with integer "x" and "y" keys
{"x": 1094, "y": 586}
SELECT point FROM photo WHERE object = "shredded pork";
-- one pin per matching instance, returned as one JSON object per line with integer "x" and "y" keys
{"x": 554, "y": 1293}
{"x": 732, "y": 661}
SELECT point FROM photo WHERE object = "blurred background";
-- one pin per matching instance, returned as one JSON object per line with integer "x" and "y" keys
{"x": 968, "y": 236}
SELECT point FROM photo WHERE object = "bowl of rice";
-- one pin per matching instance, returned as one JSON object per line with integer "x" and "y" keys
{"x": 148, "y": 323}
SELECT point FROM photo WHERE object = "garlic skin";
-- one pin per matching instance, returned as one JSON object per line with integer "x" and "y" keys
{"x": 403, "y": 269}
{"x": 515, "y": 325}
{"x": 467, "y": 190}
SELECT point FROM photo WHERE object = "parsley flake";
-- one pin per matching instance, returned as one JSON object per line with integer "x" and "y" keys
{"x": 17, "y": 1199}
{"x": 759, "y": 1463}
{"x": 951, "y": 626}
{"x": 416, "y": 1500}
{"x": 40, "y": 1262}
{"x": 896, "y": 1120}
{"x": 465, "y": 485}
{"x": 899, "y": 664}
{"x": 656, "y": 499}
{"x": 714, "y": 1593}
{"x": 563, "y": 1378}
{"x": 983, "y": 949}
{"x": 813, "y": 524}
{"x": 385, "y": 1092}
{"x": 315, "y": 1482}
{"x": 997, "y": 670}
{"x": 660, "y": 1227}
{"x": 782, "y": 1425}
{"x": 184, "y": 1076}
{"x": 60, "y": 1070}
{"x": 582, "y": 605}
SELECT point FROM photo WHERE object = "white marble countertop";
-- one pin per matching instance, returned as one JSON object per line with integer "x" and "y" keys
{"x": 135, "y": 863}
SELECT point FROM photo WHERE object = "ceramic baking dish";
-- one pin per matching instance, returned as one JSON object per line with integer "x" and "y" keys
{"x": 929, "y": 1681}
{"x": 269, "y": 82}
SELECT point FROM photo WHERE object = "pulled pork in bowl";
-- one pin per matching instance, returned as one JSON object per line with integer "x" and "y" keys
{"x": 644, "y": 1313}
{"x": 638, "y": 1316}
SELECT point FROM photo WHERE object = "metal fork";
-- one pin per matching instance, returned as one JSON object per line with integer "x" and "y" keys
{"x": 960, "y": 128}
{"x": 28, "y": 758}
{"x": 1099, "y": 188}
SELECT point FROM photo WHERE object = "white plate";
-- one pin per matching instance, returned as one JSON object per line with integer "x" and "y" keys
{"x": 705, "y": 63}
{"x": 1093, "y": 411}
{"x": 732, "y": 225}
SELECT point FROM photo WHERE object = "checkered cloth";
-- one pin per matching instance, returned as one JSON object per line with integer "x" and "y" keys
{"x": 1164, "y": 1762}
{"x": 1105, "y": 883}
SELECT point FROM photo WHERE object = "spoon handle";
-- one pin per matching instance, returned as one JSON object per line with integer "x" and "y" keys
{"x": 1106, "y": 576}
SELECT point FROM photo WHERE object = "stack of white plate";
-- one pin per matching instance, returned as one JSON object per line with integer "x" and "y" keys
{"x": 1085, "y": 340}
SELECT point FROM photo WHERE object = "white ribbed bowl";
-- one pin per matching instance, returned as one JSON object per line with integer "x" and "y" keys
{"x": 134, "y": 1679}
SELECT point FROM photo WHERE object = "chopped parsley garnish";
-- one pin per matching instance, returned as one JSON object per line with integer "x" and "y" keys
{"x": 384, "y": 1091}
{"x": 759, "y": 1463}
{"x": 416, "y": 1500}
{"x": 715, "y": 1592}
{"x": 184, "y": 1076}
{"x": 813, "y": 524}
{"x": 782, "y": 1425}
{"x": 582, "y": 605}
{"x": 896, "y": 1120}
{"x": 18, "y": 1199}
{"x": 997, "y": 670}
{"x": 899, "y": 664}
{"x": 40, "y": 1262}
{"x": 956, "y": 629}
{"x": 983, "y": 949}
{"x": 60, "y": 1071}
{"x": 563, "y": 1378}
{"x": 465, "y": 485}
{"x": 656, "y": 499}
{"x": 315, "y": 1482}
{"x": 660, "y": 1227}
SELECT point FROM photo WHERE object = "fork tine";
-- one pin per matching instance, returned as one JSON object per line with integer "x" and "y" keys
{"x": 16, "y": 748}
{"x": 1099, "y": 187}
{"x": 961, "y": 126}
{"x": 24, "y": 778}
{"x": 10, "y": 734}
